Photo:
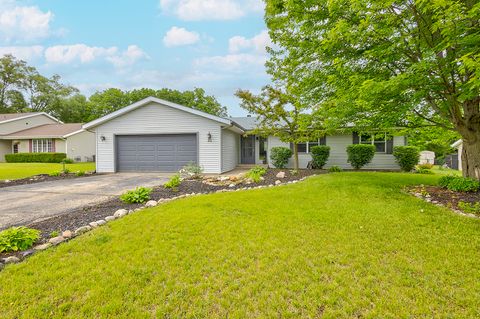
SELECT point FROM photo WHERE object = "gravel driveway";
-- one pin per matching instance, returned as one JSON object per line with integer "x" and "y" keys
{"x": 27, "y": 203}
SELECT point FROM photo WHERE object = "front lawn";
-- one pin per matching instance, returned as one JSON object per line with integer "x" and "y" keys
{"x": 344, "y": 245}
{"x": 21, "y": 170}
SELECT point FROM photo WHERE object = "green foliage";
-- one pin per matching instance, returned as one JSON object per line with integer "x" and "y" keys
{"x": 54, "y": 233}
{"x": 335, "y": 169}
{"x": 459, "y": 184}
{"x": 191, "y": 170}
{"x": 360, "y": 155}
{"x": 472, "y": 208}
{"x": 173, "y": 182}
{"x": 280, "y": 156}
{"x": 139, "y": 195}
{"x": 35, "y": 157}
{"x": 256, "y": 173}
{"x": 67, "y": 161}
{"x": 17, "y": 239}
{"x": 320, "y": 154}
{"x": 79, "y": 173}
{"x": 425, "y": 166}
{"x": 435, "y": 139}
{"x": 65, "y": 171}
{"x": 420, "y": 170}
{"x": 407, "y": 157}
{"x": 57, "y": 173}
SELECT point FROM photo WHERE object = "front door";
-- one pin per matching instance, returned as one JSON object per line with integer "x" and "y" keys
{"x": 248, "y": 149}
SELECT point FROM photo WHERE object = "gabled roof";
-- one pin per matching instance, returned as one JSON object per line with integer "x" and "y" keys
{"x": 148, "y": 100}
{"x": 249, "y": 123}
{"x": 10, "y": 117}
{"x": 47, "y": 131}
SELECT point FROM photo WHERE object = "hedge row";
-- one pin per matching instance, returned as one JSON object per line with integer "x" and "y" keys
{"x": 35, "y": 157}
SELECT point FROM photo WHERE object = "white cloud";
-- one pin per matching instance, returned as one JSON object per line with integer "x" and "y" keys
{"x": 180, "y": 36}
{"x": 259, "y": 43}
{"x": 194, "y": 10}
{"x": 24, "y": 53}
{"x": 22, "y": 23}
{"x": 64, "y": 54}
{"x": 232, "y": 62}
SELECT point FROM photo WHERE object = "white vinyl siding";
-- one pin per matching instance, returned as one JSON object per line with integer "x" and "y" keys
{"x": 23, "y": 124}
{"x": 81, "y": 146}
{"x": 338, "y": 153}
{"x": 230, "y": 150}
{"x": 155, "y": 118}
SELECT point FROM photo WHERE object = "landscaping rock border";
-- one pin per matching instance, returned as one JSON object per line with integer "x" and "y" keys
{"x": 41, "y": 178}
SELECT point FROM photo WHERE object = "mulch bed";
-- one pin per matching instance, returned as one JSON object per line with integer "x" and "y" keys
{"x": 74, "y": 219}
{"x": 39, "y": 179}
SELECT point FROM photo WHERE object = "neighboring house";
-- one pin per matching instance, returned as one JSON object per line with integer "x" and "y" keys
{"x": 41, "y": 133}
{"x": 459, "y": 146}
{"x": 427, "y": 157}
{"x": 157, "y": 135}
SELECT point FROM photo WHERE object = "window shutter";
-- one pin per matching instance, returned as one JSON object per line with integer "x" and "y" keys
{"x": 390, "y": 145}
{"x": 356, "y": 138}
{"x": 323, "y": 140}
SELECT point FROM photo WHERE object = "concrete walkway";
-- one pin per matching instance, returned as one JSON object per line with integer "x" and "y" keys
{"x": 27, "y": 203}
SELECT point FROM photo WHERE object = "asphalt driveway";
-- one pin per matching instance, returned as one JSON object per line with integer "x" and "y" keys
{"x": 27, "y": 203}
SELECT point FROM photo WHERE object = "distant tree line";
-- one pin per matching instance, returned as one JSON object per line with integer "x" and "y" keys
{"x": 24, "y": 89}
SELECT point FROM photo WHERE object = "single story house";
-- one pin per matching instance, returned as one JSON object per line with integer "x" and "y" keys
{"x": 157, "y": 135}
{"x": 39, "y": 132}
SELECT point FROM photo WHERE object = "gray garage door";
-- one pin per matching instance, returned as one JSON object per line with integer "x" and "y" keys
{"x": 162, "y": 153}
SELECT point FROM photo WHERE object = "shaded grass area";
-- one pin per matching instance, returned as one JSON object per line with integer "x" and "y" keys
{"x": 22, "y": 170}
{"x": 335, "y": 246}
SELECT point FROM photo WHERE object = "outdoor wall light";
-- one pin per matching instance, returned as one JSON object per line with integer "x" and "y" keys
{"x": 103, "y": 138}
{"x": 209, "y": 136}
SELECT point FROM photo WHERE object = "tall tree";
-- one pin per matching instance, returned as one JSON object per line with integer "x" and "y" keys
{"x": 12, "y": 81}
{"x": 280, "y": 114}
{"x": 382, "y": 64}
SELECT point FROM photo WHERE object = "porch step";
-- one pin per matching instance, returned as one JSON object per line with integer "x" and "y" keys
{"x": 251, "y": 165}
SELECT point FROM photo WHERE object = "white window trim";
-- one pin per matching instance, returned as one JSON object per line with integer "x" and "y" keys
{"x": 373, "y": 141}
{"x": 42, "y": 145}
{"x": 307, "y": 150}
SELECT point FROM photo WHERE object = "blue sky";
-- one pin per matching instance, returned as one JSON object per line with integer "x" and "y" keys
{"x": 218, "y": 45}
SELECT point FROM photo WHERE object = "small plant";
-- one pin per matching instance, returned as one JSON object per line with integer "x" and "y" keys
{"x": 293, "y": 172}
{"x": 79, "y": 173}
{"x": 423, "y": 191}
{"x": 173, "y": 182}
{"x": 320, "y": 154}
{"x": 360, "y": 155}
{"x": 280, "y": 156}
{"x": 65, "y": 171}
{"x": 420, "y": 170}
{"x": 138, "y": 195}
{"x": 335, "y": 169}
{"x": 18, "y": 238}
{"x": 425, "y": 166}
{"x": 54, "y": 233}
{"x": 191, "y": 170}
{"x": 67, "y": 161}
{"x": 256, "y": 173}
{"x": 406, "y": 156}
{"x": 459, "y": 184}
{"x": 473, "y": 208}
{"x": 55, "y": 173}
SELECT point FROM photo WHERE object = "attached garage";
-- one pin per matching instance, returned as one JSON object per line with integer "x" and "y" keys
{"x": 161, "y": 153}
{"x": 155, "y": 135}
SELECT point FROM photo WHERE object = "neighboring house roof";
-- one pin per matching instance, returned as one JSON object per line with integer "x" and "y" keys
{"x": 457, "y": 144}
{"x": 47, "y": 131}
{"x": 148, "y": 100}
{"x": 9, "y": 117}
{"x": 248, "y": 122}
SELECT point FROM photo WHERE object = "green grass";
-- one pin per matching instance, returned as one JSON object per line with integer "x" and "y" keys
{"x": 345, "y": 245}
{"x": 21, "y": 170}
{"x": 445, "y": 171}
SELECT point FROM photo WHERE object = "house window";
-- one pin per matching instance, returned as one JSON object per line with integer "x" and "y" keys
{"x": 378, "y": 140}
{"x": 15, "y": 148}
{"x": 42, "y": 146}
{"x": 307, "y": 146}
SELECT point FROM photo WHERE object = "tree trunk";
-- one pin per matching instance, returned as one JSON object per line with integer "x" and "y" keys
{"x": 295, "y": 156}
{"x": 471, "y": 157}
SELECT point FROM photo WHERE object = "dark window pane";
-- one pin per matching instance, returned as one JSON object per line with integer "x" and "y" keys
{"x": 380, "y": 146}
{"x": 302, "y": 148}
{"x": 366, "y": 139}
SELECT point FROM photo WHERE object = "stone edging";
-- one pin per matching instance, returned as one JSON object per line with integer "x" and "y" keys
{"x": 427, "y": 198}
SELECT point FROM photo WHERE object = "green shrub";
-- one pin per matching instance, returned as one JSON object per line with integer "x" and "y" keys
{"x": 191, "y": 170}
{"x": 280, "y": 156}
{"x": 360, "y": 155}
{"x": 55, "y": 173}
{"x": 319, "y": 155}
{"x": 54, "y": 233}
{"x": 138, "y": 195}
{"x": 17, "y": 238}
{"x": 79, "y": 173}
{"x": 65, "y": 171}
{"x": 67, "y": 161}
{"x": 35, "y": 157}
{"x": 335, "y": 169}
{"x": 459, "y": 184}
{"x": 473, "y": 208}
{"x": 425, "y": 166}
{"x": 423, "y": 171}
{"x": 173, "y": 182}
{"x": 407, "y": 157}
{"x": 256, "y": 173}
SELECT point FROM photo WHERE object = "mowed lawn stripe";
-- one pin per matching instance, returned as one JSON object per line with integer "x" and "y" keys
{"x": 13, "y": 171}
{"x": 336, "y": 245}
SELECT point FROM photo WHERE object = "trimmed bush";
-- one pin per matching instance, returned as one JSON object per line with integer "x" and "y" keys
{"x": 407, "y": 157}
{"x": 335, "y": 169}
{"x": 459, "y": 184}
{"x": 280, "y": 156}
{"x": 35, "y": 157}
{"x": 320, "y": 155}
{"x": 139, "y": 195}
{"x": 360, "y": 155}
{"x": 17, "y": 238}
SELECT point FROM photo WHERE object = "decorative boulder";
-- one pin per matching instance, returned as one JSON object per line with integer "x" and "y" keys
{"x": 277, "y": 182}
{"x": 93, "y": 224}
{"x": 109, "y": 218}
{"x": 280, "y": 175}
{"x": 82, "y": 230}
{"x": 67, "y": 234}
{"x": 151, "y": 203}
{"x": 11, "y": 260}
{"x": 100, "y": 222}
{"x": 43, "y": 246}
{"x": 56, "y": 240}
{"x": 120, "y": 213}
